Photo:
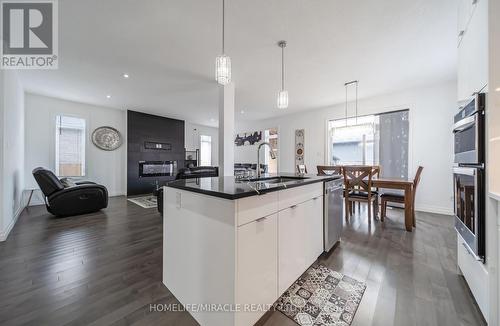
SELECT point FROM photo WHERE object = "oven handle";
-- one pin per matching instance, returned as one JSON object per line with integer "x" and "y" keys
{"x": 465, "y": 171}
{"x": 464, "y": 124}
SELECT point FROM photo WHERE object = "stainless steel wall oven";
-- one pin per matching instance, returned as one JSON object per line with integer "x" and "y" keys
{"x": 469, "y": 175}
{"x": 469, "y": 208}
{"x": 468, "y": 132}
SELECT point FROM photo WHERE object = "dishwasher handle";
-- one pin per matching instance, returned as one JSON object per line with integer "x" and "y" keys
{"x": 327, "y": 190}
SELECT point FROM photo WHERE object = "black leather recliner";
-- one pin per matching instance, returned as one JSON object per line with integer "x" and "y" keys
{"x": 81, "y": 198}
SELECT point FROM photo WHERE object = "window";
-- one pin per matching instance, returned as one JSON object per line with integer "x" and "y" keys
{"x": 70, "y": 146}
{"x": 380, "y": 139}
{"x": 352, "y": 142}
{"x": 205, "y": 150}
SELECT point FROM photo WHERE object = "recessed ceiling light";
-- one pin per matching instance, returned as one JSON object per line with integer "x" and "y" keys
{"x": 108, "y": 96}
{"x": 126, "y": 76}
{"x": 242, "y": 111}
{"x": 497, "y": 89}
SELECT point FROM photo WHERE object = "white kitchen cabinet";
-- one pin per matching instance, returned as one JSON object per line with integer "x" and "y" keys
{"x": 239, "y": 252}
{"x": 252, "y": 208}
{"x": 474, "y": 273}
{"x": 257, "y": 267}
{"x": 300, "y": 239}
{"x": 314, "y": 218}
{"x": 292, "y": 253}
{"x": 465, "y": 11}
{"x": 473, "y": 53}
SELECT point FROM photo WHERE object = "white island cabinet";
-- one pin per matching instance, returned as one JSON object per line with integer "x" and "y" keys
{"x": 228, "y": 260}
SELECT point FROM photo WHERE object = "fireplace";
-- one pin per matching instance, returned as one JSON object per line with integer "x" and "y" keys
{"x": 155, "y": 151}
{"x": 157, "y": 168}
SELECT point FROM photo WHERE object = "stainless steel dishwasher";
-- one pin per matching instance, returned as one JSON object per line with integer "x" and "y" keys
{"x": 332, "y": 224}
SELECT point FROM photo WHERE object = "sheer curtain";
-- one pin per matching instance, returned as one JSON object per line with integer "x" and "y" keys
{"x": 393, "y": 144}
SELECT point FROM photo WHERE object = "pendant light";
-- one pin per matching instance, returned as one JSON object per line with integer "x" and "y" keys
{"x": 283, "y": 94}
{"x": 346, "y": 85}
{"x": 223, "y": 62}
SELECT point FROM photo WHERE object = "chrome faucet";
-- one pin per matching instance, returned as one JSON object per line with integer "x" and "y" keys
{"x": 271, "y": 153}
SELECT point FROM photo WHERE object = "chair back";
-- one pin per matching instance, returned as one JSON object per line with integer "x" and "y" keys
{"x": 416, "y": 181}
{"x": 335, "y": 169}
{"x": 47, "y": 181}
{"x": 377, "y": 170}
{"x": 358, "y": 178}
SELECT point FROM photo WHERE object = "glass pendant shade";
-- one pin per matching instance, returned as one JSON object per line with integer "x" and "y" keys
{"x": 282, "y": 99}
{"x": 223, "y": 69}
{"x": 282, "y": 95}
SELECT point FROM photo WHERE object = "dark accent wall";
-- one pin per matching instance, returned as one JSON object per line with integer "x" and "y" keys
{"x": 143, "y": 128}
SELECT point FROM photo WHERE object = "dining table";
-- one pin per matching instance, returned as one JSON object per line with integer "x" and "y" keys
{"x": 406, "y": 185}
{"x": 400, "y": 184}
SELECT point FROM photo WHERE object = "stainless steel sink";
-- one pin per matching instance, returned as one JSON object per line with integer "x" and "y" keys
{"x": 278, "y": 180}
{"x": 259, "y": 184}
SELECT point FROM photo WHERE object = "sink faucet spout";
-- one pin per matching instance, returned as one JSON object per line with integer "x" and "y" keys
{"x": 271, "y": 153}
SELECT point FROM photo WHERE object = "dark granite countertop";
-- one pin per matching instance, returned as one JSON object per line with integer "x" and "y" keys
{"x": 231, "y": 188}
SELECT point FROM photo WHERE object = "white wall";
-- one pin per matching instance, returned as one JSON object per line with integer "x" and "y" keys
{"x": 248, "y": 153}
{"x": 192, "y": 139}
{"x": 431, "y": 117}
{"x": 11, "y": 150}
{"x": 104, "y": 167}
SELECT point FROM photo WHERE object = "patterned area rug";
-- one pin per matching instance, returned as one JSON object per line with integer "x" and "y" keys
{"x": 322, "y": 297}
{"x": 144, "y": 202}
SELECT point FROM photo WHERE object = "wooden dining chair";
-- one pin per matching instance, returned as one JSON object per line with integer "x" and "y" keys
{"x": 335, "y": 169}
{"x": 400, "y": 199}
{"x": 358, "y": 188}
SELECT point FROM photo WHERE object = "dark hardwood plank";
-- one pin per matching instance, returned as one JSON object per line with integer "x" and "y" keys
{"x": 105, "y": 269}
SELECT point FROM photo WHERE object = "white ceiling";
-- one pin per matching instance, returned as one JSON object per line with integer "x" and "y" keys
{"x": 169, "y": 49}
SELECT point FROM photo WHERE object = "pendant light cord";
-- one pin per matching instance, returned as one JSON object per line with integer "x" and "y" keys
{"x": 345, "y": 104}
{"x": 356, "y": 102}
{"x": 282, "y": 68}
{"x": 223, "y": 23}
{"x": 356, "y": 107}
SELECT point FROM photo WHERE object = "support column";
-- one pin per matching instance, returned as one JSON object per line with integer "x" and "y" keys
{"x": 226, "y": 130}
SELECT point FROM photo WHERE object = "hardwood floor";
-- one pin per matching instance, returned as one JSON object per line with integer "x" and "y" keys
{"x": 105, "y": 269}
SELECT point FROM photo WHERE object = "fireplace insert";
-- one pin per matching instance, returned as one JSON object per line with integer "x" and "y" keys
{"x": 157, "y": 168}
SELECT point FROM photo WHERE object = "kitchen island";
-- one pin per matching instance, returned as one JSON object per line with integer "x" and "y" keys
{"x": 232, "y": 247}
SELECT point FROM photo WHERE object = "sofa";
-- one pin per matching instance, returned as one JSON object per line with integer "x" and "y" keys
{"x": 197, "y": 172}
{"x": 243, "y": 167}
{"x": 69, "y": 198}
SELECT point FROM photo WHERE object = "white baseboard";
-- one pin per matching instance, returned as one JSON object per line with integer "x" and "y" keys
{"x": 116, "y": 193}
{"x": 434, "y": 209}
{"x": 5, "y": 233}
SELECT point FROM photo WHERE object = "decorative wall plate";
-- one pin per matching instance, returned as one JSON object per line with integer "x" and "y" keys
{"x": 107, "y": 138}
{"x": 299, "y": 146}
